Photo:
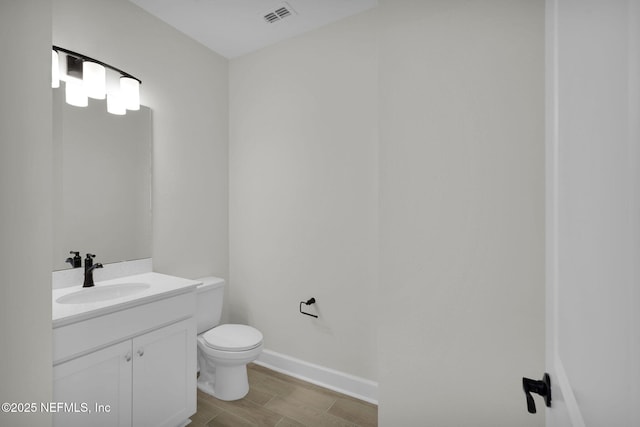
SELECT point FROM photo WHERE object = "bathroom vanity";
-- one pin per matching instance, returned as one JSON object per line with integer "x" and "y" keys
{"x": 124, "y": 352}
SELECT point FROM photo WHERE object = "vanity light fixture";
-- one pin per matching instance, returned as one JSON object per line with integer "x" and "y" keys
{"x": 87, "y": 77}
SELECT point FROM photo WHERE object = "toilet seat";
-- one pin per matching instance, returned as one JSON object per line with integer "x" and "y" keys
{"x": 232, "y": 338}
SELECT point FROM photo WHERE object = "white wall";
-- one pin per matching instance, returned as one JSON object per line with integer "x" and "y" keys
{"x": 460, "y": 281}
{"x": 303, "y": 194}
{"x": 25, "y": 208}
{"x": 185, "y": 85}
{"x": 462, "y": 211}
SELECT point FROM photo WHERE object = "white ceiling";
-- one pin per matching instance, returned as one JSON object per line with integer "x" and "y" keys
{"x": 235, "y": 27}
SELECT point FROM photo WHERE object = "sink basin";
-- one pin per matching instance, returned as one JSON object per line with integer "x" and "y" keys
{"x": 102, "y": 293}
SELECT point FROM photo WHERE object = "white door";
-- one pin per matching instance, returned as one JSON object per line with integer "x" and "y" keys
{"x": 164, "y": 375}
{"x": 96, "y": 389}
{"x": 593, "y": 212}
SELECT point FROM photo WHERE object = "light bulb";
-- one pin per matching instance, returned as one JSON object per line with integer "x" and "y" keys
{"x": 55, "y": 70}
{"x": 130, "y": 88}
{"x": 75, "y": 94}
{"x": 115, "y": 103}
{"x": 94, "y": 79}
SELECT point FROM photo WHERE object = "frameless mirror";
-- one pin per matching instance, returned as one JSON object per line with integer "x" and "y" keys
{"x": 101, "y": 183}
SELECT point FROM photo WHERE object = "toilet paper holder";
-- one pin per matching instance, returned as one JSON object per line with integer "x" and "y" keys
{"x": 308, "y": 302}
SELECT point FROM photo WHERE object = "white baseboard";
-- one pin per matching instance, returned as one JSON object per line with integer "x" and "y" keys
{"x": 341, "y": 382}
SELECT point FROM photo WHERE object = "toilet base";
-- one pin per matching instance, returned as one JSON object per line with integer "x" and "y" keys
{"x": 223, "y": 375}
{"x": 228, "y": 383}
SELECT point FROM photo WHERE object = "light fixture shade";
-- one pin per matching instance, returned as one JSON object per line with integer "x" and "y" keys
{"x": 75, "y": 94}
{"x": 55, "y": 70}
{"x": 130, "y": 89}
{"x": 115, "y": 103}
{"x": 94, "y": 79}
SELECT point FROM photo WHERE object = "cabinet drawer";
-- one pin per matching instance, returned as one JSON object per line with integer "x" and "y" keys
{"x": 76, "y": 339}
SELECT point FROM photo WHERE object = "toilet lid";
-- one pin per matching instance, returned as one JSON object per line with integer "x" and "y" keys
{"x": 233, "y": 337}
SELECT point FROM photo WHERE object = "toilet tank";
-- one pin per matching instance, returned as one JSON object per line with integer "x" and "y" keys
{"x": 209, "y": 302}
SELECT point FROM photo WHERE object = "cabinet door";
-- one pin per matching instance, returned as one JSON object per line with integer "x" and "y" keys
{"x": 95, "y": 389}
{"x": 164, "y": 375}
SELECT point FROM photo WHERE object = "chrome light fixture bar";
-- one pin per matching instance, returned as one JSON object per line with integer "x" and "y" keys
{"x": 86, "y": 77}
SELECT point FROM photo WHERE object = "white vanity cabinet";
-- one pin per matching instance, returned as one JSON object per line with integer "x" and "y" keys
{"x": 134, "y": 367}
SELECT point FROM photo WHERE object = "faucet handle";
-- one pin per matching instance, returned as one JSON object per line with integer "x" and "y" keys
{"x": 88, "y": 261}
{"x": 76, "y": 261}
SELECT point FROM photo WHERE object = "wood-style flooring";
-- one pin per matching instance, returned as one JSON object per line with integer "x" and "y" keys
{"x": 276, "y": 399}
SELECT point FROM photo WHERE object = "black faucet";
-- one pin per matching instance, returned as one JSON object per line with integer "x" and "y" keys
{"x": 89, "y": 266}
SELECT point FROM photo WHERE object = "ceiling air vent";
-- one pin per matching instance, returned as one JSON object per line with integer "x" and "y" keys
{"x": 280, "y": 13}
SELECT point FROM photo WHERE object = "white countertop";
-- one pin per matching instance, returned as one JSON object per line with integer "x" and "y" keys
{"x": 161, "y": 286}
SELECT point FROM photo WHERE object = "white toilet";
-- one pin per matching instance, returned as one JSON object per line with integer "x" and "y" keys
{"x": 225, "y": 350}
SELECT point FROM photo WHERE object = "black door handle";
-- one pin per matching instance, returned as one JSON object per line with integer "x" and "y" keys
{"x": 541, "y": 387}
